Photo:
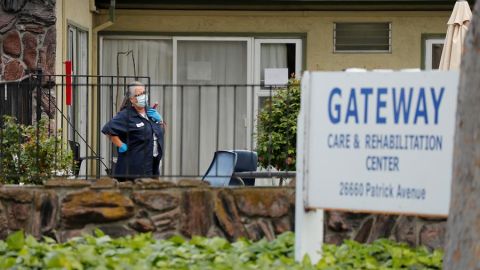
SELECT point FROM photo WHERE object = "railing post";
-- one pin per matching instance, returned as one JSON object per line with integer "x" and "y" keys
{"x": 37, "y": 84}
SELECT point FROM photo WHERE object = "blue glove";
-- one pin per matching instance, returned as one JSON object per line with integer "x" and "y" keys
{"x": 123, "y": 148}
{"x": 154, "y": 115}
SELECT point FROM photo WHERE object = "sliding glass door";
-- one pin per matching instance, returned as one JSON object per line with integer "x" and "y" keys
{"x": 212, "y": 117}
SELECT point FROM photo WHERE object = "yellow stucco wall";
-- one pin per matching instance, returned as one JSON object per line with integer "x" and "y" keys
{"x": 315, "y": 26}
{"x": 316, "y": 29}
{"x": 76, "y": 13}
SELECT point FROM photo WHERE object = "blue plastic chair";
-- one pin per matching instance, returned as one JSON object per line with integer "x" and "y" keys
{"x": 246, "y": 162}
{"x": 221, "y": 169}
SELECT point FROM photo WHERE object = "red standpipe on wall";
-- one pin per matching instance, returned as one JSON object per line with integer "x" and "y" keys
{"x": 68, "y": 79}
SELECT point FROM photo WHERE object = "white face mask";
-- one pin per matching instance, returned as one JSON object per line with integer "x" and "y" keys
{"x": 142, "y": 101}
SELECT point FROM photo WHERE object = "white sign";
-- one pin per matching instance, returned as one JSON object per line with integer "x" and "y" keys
{"x": 276, "y": 76}
{"x": 379, "y": 142}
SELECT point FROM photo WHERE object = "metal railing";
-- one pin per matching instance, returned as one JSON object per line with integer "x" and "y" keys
{"x": 200, "y": 120}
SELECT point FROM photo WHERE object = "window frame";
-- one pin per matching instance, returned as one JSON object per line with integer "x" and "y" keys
{"x": 77, "y": 112}
{"x": 427, "y": 41}
{"x": 262, "y": 91}
{"x": 252, "y": 59}
{"x": 73, "y": 54}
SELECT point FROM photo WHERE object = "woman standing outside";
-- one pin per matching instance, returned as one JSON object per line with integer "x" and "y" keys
{"x": 137, "y": 131}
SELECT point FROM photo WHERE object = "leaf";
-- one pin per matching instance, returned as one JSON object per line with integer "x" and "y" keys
{"x": 98, "y": 233}
{"x": 218, "y": 243}
{"x": 371, "y": 263}
{"x": 177, "y": 239}
{"x": 16, "y": 240}
{"x": 7, "y": 263}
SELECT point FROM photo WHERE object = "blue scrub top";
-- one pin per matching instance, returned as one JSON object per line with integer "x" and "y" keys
{"x": 137, "y": 132}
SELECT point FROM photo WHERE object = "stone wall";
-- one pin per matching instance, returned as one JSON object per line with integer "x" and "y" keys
{"x": 27, "y": 37}
{"x": 365, "y": 228}
{"x": 66, "y": 208}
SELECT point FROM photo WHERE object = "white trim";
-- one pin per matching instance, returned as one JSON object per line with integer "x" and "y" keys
{"x": 100, "y": 56}
{"x": 250, "y": 70}
{"x": 135, "y": 37}
{"x": 298, "y": 59}
{"x": 175, "y": 126}
{"x": 429, "y": 42}
{"x": 72, "y": 50}
{"x": 298, "y": 55}
{"x": 207, "y": 38}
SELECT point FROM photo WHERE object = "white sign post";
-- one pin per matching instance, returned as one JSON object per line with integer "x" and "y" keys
{"x": 374, "y": 142}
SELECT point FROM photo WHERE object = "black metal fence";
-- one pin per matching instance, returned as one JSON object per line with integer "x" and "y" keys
{"x": 16, "y": 100}
{"x": 58, "y": 119}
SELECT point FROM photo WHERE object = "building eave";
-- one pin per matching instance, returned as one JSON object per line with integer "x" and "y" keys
{"x": 327, "y": 5}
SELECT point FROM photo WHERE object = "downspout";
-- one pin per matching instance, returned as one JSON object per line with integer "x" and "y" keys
{"x": 95, "y": 70}
{"x": 109, "y": 22}
{"x": 98, "y": 28}
{"x": 92, "y": 6}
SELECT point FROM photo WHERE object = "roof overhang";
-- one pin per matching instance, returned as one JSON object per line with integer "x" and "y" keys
{"x": 327, "y": 5}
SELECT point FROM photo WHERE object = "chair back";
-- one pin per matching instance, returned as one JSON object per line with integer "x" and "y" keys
{"x": 221, "y": 169}
{"x": 75, "y": 147}
{"x": 246, "y": 162}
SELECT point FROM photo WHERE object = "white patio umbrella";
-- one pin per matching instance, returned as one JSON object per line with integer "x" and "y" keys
{"x": 456, "y": 32}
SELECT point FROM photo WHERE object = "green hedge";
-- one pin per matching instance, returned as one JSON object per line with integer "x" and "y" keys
{"x": 144, "y": 252}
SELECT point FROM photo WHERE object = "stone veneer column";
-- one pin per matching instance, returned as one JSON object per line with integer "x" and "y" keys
{"x": 27, "y": 37}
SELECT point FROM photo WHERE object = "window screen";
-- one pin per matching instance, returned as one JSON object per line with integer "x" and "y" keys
{"x": 362, "y": 37}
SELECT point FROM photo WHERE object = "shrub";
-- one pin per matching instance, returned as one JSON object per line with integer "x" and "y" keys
{"x": 381, "y": 254}
{"x": 29, "y": 155}
{"x": 277, "y": 128}
{"x": 143, "y": 252}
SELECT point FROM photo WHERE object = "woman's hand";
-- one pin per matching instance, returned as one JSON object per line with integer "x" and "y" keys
{"x": 154, "y": 115}
{"x": 123, "y": 148}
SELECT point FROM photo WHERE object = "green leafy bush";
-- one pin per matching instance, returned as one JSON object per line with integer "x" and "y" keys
{"x": 277, "y": 128}
{"x": 144, "y": 252}
{"x": 381, "y": 254}
{"x": 30, "y": 155}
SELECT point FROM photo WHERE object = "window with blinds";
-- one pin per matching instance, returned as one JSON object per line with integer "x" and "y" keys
{"x": 362, "y": 37}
